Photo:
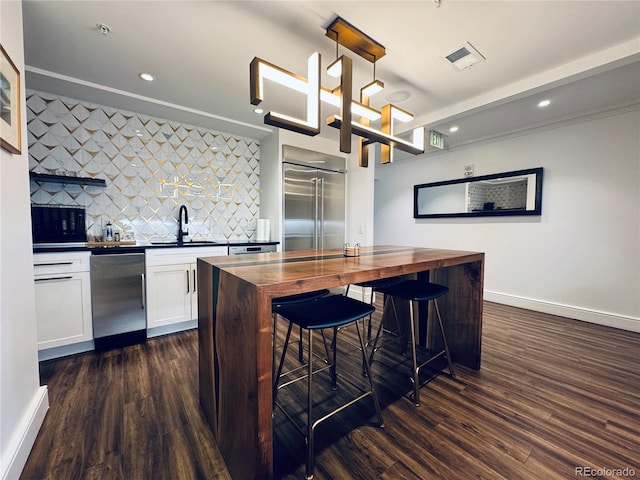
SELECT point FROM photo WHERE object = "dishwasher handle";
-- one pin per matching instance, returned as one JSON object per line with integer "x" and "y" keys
{"x": 144, "y": 292}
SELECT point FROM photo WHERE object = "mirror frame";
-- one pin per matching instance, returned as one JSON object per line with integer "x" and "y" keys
{"x": 537, "y": 210}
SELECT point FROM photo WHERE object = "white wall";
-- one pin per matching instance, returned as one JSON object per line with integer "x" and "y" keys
{"x": 23, "y": 402}
{"x": 360, "y": 201}
{"x": 271, "y": 184}
{"x": 580, "y": 258}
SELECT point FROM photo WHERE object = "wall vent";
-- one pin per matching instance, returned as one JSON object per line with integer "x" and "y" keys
{"x": 464, "y": 57}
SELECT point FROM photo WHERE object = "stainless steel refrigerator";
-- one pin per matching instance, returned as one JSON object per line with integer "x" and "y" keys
{"x": 314, "y": 199}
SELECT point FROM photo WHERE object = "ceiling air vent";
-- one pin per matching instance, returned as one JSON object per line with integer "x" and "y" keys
{"x": 464, "y": 57}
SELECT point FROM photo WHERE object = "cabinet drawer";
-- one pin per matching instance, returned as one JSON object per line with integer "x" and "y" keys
{"x": 61, "y": 262}
{"x": 176, "y": 256}
{"x": 63, "y": 309}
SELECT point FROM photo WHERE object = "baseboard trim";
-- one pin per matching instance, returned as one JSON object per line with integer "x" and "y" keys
{"x": 65, "y": 350}
{"x": 622, "y": 322}
{"x": 172, "y": 328}
{"x": 22, "y": 441}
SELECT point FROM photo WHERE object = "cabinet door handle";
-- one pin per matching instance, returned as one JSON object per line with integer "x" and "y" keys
{"x": 194, "y": 280}
{"x": 144, "y": 292}
{"x": 51, "y": 264}
{"x": 52, "y": 278}
{"x": 188, "y": 281}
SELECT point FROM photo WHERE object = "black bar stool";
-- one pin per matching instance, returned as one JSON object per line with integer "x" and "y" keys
{"x": 418, "y": 291}
{"x": 290, "y": 300}
{"x": 326, "y": 312}
{"x": 375, "y": 286}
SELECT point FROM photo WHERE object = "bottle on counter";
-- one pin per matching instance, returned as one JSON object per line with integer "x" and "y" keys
{"x": 108, "y": 232}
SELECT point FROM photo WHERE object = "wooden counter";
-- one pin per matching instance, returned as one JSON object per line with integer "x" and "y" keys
{"x": 235, "y": 328}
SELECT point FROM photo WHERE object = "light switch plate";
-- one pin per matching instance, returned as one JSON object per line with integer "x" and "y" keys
{"x": 468, "y": 170}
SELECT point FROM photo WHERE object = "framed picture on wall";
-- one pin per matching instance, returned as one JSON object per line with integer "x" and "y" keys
{"x": 9, "y": 104}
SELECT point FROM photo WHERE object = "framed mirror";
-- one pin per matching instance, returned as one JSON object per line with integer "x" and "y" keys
{"x": 509, "y": 193}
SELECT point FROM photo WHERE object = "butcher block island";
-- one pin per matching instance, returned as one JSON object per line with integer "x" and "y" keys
{"x": 235, "y": 328}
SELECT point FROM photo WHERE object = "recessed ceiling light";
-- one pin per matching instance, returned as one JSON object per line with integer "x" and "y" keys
{"x": 453, "y": 129}
{"x": 544, "y": 103}
{"x": 146, "y": 76}
{"x": 258, "y": 110}
{"x": 398, "y": 96}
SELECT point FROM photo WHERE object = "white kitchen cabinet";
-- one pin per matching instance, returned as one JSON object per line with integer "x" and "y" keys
{"x": 63, "y": 300}
{"x": 169, "y": 295}
{"x": 172, "y": 293}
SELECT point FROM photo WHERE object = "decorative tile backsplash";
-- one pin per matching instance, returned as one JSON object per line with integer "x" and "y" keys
{"x": 501, "y": 196}
{"x": 151, "y": 167}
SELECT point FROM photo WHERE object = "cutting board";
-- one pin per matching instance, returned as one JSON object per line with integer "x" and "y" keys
{"x": 111, "y": 244}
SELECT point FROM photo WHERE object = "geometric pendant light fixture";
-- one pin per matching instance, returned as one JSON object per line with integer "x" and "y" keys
{"x": 354, "y": 117}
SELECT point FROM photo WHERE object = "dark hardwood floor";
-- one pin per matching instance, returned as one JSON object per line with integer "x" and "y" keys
{"x": 553, "y": 396}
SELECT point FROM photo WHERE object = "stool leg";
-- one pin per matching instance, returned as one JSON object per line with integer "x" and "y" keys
{"x": 300, "y": 347}
{"x": 334, "y": 368}
{"x": 273, "y": 346}
{"x": 416, "y": 369}
{"x": 367, "y": 368}
{"x": 310, "y": 426}
{"x": 444, "y": 339}
{"x": 366, "y": 343}
{"x": 276, "y": 379}
{"x": 371, "y": 316}
{"x": 374, "y": 347}
{"x": 403, "y": 350}
{"x": 385, "y": 302}
{"x": 327, "y": 348}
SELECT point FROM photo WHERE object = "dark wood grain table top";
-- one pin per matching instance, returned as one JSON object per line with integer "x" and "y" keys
{"x": 290, "y": 272}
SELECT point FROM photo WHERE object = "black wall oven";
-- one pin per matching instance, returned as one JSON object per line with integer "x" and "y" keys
{"x": 58, "y": 224}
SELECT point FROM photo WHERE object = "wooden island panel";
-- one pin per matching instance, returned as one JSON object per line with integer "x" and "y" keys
{"x": 464, "y": 334}
{"x": 235, "y": 329}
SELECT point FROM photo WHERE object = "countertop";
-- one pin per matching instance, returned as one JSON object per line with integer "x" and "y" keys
{"x": 142, "y": 246}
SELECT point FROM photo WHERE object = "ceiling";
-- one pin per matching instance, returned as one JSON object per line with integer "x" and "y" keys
{"x": 583, "y": 55}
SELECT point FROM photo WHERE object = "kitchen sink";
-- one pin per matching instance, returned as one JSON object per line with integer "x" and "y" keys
{"x": 193, "y": 242}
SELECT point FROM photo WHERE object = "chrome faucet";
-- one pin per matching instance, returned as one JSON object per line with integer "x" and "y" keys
{"x": 181, "y": 226}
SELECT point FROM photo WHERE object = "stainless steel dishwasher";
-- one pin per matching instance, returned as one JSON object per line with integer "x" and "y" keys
{"x": 118, "y": 299}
